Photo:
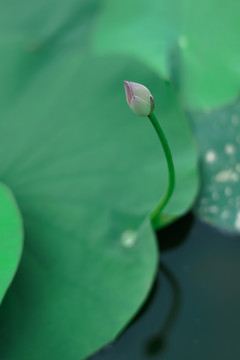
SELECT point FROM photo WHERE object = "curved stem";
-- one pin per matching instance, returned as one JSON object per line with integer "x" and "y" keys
{"x": 171, "y": 172}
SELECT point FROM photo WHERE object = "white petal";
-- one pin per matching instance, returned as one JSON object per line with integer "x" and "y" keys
{"x": 140, "y": 107}
{"x": 140, "y": 90}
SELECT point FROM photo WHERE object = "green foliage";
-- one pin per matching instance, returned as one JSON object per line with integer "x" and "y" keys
{"x": 11, "y": 235}
{"x": 218, "y": 134}
{"x": 87, "y": 173}
{"x": 196, "y": 42}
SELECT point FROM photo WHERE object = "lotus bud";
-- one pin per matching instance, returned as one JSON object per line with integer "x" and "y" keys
{"x": 139, "y": 98}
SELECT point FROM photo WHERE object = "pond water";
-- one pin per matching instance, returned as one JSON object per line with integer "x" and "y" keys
{"x": 193, "y": 312}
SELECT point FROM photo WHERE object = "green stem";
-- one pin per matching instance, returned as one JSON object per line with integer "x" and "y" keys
{"x": 171, "y": 172}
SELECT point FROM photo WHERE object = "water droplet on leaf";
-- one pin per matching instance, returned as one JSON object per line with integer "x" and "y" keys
{"x": 128, "y": 238}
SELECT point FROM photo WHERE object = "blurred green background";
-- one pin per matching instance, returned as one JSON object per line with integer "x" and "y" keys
{"x": 86, "y": 173}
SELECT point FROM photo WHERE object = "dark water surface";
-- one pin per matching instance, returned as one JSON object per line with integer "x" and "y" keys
{"x": 193, "y": 312}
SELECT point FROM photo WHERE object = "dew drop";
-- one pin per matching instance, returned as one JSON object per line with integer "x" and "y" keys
{"x": 235, "y": 177}
{"x": 128, "y": 238}
{"x": 225, "y": 214}
{"x": 210, "y": 156}
{"x": 227, "y": 175}
{"x": 213, "y": 209}
{"x": 229, "y": 149}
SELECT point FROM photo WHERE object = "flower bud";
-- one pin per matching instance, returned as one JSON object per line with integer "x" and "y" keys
{"x": 139, "y": 98}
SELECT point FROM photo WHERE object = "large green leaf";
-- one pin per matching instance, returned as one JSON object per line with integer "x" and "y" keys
{"x": 197, "y": 40}
{"x": 11, "y": 236}
{"x": 209, "y": 71}
{"x": 146, "y": 30}
{"x": 52, "y": 23}
{"x": 87, "y": 173}
{"x": 218, "y": 134}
